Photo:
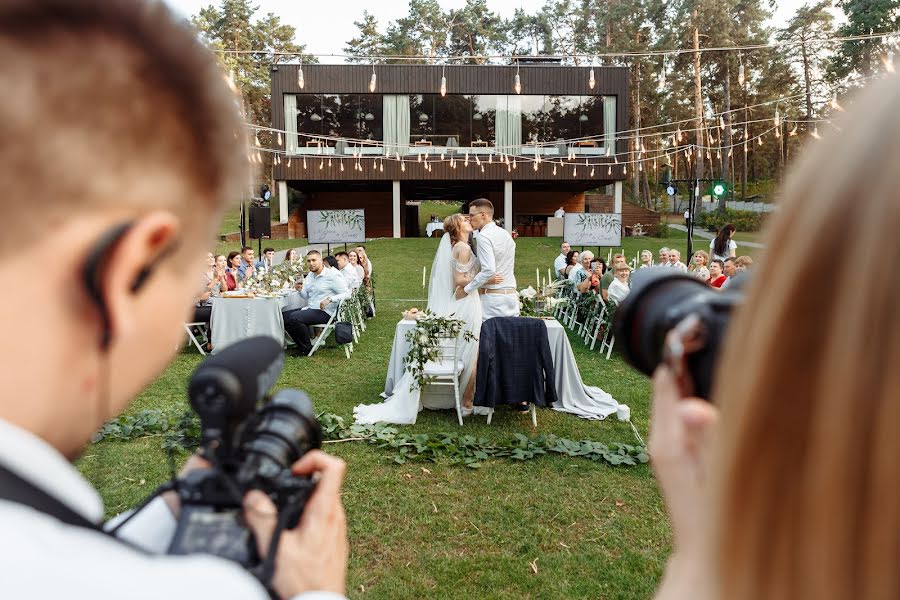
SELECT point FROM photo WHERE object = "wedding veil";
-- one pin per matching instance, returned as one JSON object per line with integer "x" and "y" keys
{"x": 441, "y": 298}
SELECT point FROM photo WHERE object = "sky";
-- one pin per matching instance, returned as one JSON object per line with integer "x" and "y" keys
{"x": 325, "y": 31}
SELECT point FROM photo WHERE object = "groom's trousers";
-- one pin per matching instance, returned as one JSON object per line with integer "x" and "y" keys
{"x": 498, "y": 305}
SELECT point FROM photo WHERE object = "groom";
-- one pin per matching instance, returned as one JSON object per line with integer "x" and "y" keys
{"x": 497, "y": 253}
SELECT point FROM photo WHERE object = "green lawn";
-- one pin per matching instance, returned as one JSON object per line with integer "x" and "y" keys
{"x": 452, "y": 532}
{"x": 441, "y": 209}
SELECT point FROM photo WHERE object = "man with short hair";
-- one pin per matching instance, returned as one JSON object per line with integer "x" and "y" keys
{"x": 247, "y": 269}
{"x": 497, "y": 253}
{"x": 323, "y": 289}
{"x": 267, "y": 261}
{"x": 664, "y": 257}
{"x": 618, "y": 260}
{"x": 145, "y": 110}
{"x": 675, "y": 260}
{"x": 560, "y": 213}
{"x": 730, "y": 270}
{"x": 347, "y": 270}
{"x": 559, "y": 264}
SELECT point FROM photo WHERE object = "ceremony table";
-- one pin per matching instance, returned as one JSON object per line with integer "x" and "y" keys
{"x": 587, "y": 402}
{"x": 432, "y": 227}
{"x": 235, "y": 319}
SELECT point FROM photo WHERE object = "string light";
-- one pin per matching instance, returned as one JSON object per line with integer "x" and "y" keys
{"x": 740, "y": 71}
{"x": 777, "y": 118}
{"x": 888, "y": 61}
{"x": 793, "y": 131}
{"x": 466, "y": 161}
{"x": 535, "y": 166}
{"x": 815, "y": 133}
{"x": 834, "y": 103}
{"x": 554, "y": 168}
{"x": 301, "y": 83}
{"x": 518, "y": 81}
{"x": 279, "y": 139}
{"x": 591, "y": 80}
{"x": 304, "y": 162}
{"x": 373, "y": 80}
{"x": 289, "y": 163}
{"x": 402, "y": 166}
{"x": 443, "y": 81}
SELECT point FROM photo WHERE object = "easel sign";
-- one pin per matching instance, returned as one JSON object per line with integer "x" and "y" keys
{"x": 336, "y": 226}
{"x": 593, "y": 229}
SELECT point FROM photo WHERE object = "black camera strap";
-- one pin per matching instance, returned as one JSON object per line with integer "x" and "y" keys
{"x": 14, "y": 488}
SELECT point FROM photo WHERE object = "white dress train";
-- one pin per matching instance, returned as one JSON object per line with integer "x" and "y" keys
{"x": 404, "y": 405}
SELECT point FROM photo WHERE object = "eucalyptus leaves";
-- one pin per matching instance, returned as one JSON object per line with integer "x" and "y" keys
{"x": 278, "y": 279}
{"x": 425, "y": 343}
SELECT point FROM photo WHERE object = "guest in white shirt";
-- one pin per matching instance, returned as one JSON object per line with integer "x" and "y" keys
{"x": 675, "y": 260}
{"x": 364, "y": 260}
{"x": 619, "y": 288}
{"x": 646, "y": 259}
{"x": 354, "y": 260}
{"x": 664, "y": 257}
{"x": 128, "y": 264}
{"x": 323, "y": 289}
{"x": 348, "y": 270}
{"x": 560, "y": 263}
{"x": 560, "y": 213}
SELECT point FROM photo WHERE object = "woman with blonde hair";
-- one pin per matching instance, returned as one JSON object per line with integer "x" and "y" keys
{"x": 699, "y": 259}
{"x": 786, "y": 485}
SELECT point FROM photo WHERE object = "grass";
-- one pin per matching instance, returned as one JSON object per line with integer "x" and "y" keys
{"x": 596, "y": 531}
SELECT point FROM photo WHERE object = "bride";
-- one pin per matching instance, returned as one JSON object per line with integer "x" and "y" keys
{"x": 454, "y": 266}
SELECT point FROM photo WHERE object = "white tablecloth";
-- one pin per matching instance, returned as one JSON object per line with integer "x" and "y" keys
{"x": 235, "y": 319}
{"x": 585, "y": 401}
{"x": 432, "y": 227}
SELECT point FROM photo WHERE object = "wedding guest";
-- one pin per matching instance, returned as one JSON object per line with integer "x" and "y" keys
{"x": 571, "y": 263}
{"x": 582, "y": 273}
{"x": 559, "y": 213}
{"x": 323, "y": 289}
{"x": 267, "y": 261}
{"x": 610, "y": 275}
{"x": 664, "y": 257}
{"x": 716, "y": 273}
{"x": 360, "y": 270}
{"x": 214, "y": 282}
{"x": 675, "y": 260}
{"x": 700, "y": 259}
{"x": 232, "y": 274}
{"x": 364, "y": 260}
{"x": 246, "y": 269}
{"x": 218, "y": 274}
{"x": 702, "y": 273}
{"x": 722, "y": 246}
{"x": 646, "y": 259}
{"x": 330, "y": 262}
{"x": 619, "y": 287}
{"x": 743, "y": 263}
{"x": 560, "y": 263}
{"x": 347, "y": 270}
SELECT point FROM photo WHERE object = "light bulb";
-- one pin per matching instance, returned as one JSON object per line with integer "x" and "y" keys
{"x": 256, "y": 140}
{"x": 888, "y": 62}
{"x": 279, "y": 139}
{"x": 609, "y": 170}
{"x": 535, "y": 166}
{"x": 721, "y": 123}
{"x": 342, "y": 167}
{"x": 289, "y": 163}
{"x": 662, "y": 78}
{"x": 834, "y": 103}
{"x": 466, "y": 161}
{"x": 592, "y": 171}
{"x": 815, "y": 133}
{"x": 443, "y": 86}
{"x": 372, "y": 81}
{"x": 777, "y": 118}
{"x": 402, "y": 166}
{"x": 624, "y": 169}
{"x": 304, "y": 162}
{"x": 575, "y": 171}
{"x": 591, "y": 80}
{"x": 794, "y": 130}
{"x": 300, "y": 81}
{"x": 381, "y": 167}
{"x": 482, "y": 168}
{"x": 554, "y": 169}
{"x": 515, "y": 162}
{"x": 741, "y": 74}
{"x": 777, "y": 134}
{"x": 759, "y": 141}
{"x": 518, "y": 85}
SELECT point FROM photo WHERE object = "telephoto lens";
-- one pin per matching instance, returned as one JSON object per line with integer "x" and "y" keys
{"x": 659, "y": 300}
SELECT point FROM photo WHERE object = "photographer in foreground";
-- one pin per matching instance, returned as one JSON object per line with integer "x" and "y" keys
{"x": 785, "y": 486}
{"x": 126, "y": 125}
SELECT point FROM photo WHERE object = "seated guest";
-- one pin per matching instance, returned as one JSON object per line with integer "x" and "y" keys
{"x": 646, "y": 259}
{"x": 591, "y": 283}
{"x": 571, "y": 263}
{"x": 742, "y": 263}
{"x": 267, "y": 261}
{"x": 214, "y": 283}
{"x": 582, "y": 272}
{"x": 675, "y": 260}
{"x": 323, "y": 289}
{"x": 619, "y": 287}
{"x": 729, "y": 270}
{"x": 610, "y": 275}
{"x": 221, "y": 272}
{"x": 232, "y": 276}
{"x": 215, "y": 279}
{"x": 330, "y": 262}
{"x": 700, "y": 259}
{"x": 246, "y": 269}
{"x": 354, "y": 260}
{"x": 348, "y": 270}
{"x": 701, "y": 273}
{"x": 560, "y": 263}
{"x": 664, "y": 257}
{"x": 717, "y": 273}
{"x": 292, "y": 256}
{"x": 364, "y": 260}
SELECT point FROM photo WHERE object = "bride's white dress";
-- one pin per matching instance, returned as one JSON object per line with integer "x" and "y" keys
{"x": 405, "y": 404}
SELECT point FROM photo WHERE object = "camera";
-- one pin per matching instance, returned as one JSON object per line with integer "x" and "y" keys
{"x": 248, "y": 448}
{"x": 659, "y": 300}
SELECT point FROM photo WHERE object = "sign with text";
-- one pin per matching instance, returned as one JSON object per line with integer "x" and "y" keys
{"x": 593, "y": 229}
{"x": 336, "y": 226}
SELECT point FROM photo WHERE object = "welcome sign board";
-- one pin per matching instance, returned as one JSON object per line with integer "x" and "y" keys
{"x": 593, "y": 229}
{"x": 336, "y": 226}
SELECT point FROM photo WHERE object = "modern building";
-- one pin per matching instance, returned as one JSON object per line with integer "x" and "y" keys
{"x": 383, "y": 138}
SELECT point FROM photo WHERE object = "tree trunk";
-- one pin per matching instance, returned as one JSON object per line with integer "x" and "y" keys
{"x": 726, "y": 136}
{"x": 698, "y": 106}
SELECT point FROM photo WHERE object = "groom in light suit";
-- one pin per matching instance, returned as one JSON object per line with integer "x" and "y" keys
{"x": 497, "y": 253}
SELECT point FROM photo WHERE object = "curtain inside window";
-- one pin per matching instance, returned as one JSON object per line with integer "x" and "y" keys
{"x": 290, "y": 124}
{"x": 396, "y": 124}
{"x": 509, "y": 125}
{"x": 609, "y": 124}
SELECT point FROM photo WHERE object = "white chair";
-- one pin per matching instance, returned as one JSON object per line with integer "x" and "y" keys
{"x": 202, "y": 332}
{"x": 325, "y": 330}
{"x": 608, "y": 341}
{"x": 533, "y": 416}
{"x": 447, "y": 370}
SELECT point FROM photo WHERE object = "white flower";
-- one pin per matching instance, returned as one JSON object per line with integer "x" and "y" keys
{"x": 276, "y": 284}
{"x": 521, "y": 306}
{"x": 423, "y": 338}
{"x": 528, "y": 293}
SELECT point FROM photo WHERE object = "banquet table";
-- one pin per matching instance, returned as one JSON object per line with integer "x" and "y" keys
{"x": 587, "y": 402}
{"x": 432, "y": 227}
{"x": 235, "y": 319}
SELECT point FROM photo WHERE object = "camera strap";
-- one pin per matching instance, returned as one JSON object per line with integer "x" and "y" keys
{"x": 14, "y": 488}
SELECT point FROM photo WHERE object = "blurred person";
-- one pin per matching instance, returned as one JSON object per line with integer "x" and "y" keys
{"x": 559, "y": 264}
{"x": 364, "y": 260}
{"x": 675, "y": 260}
{"x": 619, "y": 287}
{"x": 663, "y": 257}
{"x": 330, "y": 262}
{"x": 702, "y": 273}
{"x": 743, "y": 263}
{"x": 266, "y": 261}
{"x": 717, "y": 273}
{"x": 247, "y": 268}
{"x": 151, "y": 160}
{"x": 292, "y": 256}
{"x": 232, "y": 277}
{"x": 722, "y": 246}
{"x": 559, "y": 213}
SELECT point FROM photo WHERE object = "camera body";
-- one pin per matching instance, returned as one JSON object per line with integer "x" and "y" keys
{"x": 660, "y": 299}
{"x": 248, "y": 449}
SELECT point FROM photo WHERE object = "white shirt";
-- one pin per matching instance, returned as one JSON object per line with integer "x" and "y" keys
{"x": 573, "y": 273}
{"x": 327, "y": 284}
{"x": 351, "y": 276}
{"x": 43, "y": 558}
{"x": 617, "y": 291}
{"x": 732, "y": 245}
{"x": 679, "y": 265}
{"x": 559, "y": 264}
{"x": 560, "y": 213}
{"x": 497, "y": 252}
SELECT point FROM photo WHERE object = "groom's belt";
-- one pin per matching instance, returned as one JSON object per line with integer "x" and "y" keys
{"x": 497, "y": 291}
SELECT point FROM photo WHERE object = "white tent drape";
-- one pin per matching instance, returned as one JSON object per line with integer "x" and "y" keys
{"x": 290, "y": 124}
{"x": 609, "y": 124}
{"x": 509, "y": 124}
{"x": 396, "y": 124}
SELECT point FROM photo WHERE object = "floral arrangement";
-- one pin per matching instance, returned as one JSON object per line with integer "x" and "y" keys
{"x": 278, "y": 280}
{"x": 533, "y": 303}
{"x": 424, "y": 343}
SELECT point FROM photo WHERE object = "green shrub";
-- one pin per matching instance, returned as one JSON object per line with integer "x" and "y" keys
{"x": 743, "y": 220}
{"x": 660, "y": 230}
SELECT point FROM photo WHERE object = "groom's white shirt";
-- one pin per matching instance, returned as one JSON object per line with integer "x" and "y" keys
{"x": 497, "y": 253}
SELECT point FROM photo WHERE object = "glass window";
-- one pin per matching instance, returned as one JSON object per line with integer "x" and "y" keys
{"x": 484, "y": 114}
{"x": 421, "y": 118}
{"x": 309, "y": 116}
{"x": 370, "y": 117}
{"x": 534, "y": 120}
{"x": 339, "y": 116}
{"x": 453, "y": 120}
{"x": 563, "y": 117}
{"x": 590, "y": 117}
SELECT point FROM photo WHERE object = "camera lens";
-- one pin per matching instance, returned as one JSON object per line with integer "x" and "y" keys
{"x": 286, "y": 430}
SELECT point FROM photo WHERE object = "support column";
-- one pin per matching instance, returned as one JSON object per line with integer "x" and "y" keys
{"x": 617, "y": 198}
{"x": 507, "y": 206}
{"x": 282, "y": 202}
{"x": 396, "y": 204}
